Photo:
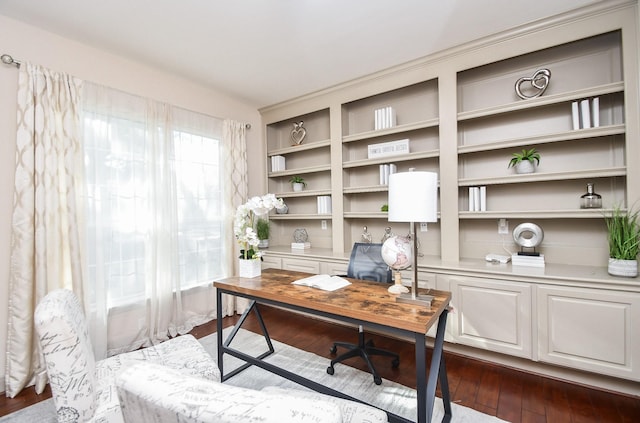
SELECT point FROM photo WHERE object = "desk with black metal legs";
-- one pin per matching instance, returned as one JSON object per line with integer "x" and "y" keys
{"x": 361, "y": 303}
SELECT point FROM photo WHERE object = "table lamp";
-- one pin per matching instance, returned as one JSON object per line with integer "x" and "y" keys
{"x": 413, "y": 198}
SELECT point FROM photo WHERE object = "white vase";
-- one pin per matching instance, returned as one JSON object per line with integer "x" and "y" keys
{"x": 298, "y": 186}
{"x": 249, "y": 268}
{"x": 525, "y": 166}
{"x": 626, "y": 268}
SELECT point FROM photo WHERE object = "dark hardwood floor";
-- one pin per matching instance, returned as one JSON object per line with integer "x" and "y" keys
{"x": 511, "y": 395}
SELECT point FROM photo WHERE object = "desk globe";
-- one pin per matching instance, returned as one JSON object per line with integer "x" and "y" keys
{"x": 396, "y": 252}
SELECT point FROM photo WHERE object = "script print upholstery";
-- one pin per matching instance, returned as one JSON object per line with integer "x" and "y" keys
{"x": 153, "y": 394}
{"x": 83, "y": 389}
{"x": 352, "y": 412}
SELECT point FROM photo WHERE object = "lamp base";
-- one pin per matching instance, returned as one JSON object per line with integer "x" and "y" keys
{"x": 398, "y": 289}
{"x": 423, "y": 300}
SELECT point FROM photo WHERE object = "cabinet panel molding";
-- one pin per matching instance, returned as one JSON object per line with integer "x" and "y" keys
{"x": 493, "y": 315}
{"x": 592, "y": 330}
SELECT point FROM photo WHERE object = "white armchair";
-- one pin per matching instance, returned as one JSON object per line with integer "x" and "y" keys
{"x": 155, "y": 394}
{"x": 83, "y": 389}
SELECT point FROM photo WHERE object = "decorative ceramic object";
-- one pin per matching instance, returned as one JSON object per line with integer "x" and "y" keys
{"x": 249, "y": 268}
{"x": 537, "y": 83}
{"x": 298, "y": 133}
{"x": 525, "y": 166}
{"x": 626, "y": 268}
{"x": 297, "y": 186}
{"x": 300, "y": 235}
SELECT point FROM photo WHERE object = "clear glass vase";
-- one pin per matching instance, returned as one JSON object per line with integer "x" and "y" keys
{"x": 590, "y": 200}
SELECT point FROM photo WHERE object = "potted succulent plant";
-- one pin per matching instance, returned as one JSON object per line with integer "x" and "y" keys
{"x": 298, "y": 183}
{"x": 525, "y": 161}
{"x": 623, "y": 233}
{"x": 262, "y": 230}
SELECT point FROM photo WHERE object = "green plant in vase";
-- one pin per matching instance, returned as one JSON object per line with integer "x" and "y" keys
{"x": 623, "y": 236}
{"x": 524, "y": 160}
{"x": 263, "y": 228}
{"x": 298, "y": 183}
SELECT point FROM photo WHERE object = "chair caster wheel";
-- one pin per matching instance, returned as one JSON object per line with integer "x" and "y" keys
{"x": 395, "y": 363}
{"x": 377, "y": 380}
{"x": 333, "y": 349}
{"x": 330, "y": 370}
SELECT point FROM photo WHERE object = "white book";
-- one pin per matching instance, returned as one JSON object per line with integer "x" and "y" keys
{"x": 277, "y": 163}
{"x": 300, "y": 245}
{"x": 585, "y": 114}
{"x": 390, "y": 117}
{"x": 381, "y": 174}
{"x": 595, "y": 112}
{"x": 483, "y": 198}
{"x": 324, "y": 282}
{"x": 575, "y": 115}
{"x": 392, "y": 169}
{"x": 471, "y": 208}
{"x": 476, "y": 198}
{"x": 385, "y": 177}
{"x": 522, "y": 260}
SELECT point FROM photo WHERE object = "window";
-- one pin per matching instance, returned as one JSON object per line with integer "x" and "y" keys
{"x": 154, "y": 199}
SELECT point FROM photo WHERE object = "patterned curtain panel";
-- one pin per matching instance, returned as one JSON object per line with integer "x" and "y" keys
{"x": 46, "y": 241}
{"x": 234, "y": 139}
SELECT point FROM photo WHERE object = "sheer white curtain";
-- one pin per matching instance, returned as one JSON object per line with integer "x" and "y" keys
{"x": 157, "y": 231}
{"x": 46, "y": 239}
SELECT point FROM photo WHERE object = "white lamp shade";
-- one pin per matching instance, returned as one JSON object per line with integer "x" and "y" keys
{"x": 413, "y": 197}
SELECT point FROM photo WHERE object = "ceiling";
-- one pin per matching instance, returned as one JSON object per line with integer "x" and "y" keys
{"x": 267, "y": 51}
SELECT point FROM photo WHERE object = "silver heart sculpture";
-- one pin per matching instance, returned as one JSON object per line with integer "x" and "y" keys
{"x": 539, "y": 80}
{"x": 298, "y": 133}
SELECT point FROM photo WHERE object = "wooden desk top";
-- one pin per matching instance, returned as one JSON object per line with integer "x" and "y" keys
{"x": 363, "y": 300}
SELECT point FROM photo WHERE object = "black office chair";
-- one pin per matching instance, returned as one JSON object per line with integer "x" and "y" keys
{"x": 365, "y": 263}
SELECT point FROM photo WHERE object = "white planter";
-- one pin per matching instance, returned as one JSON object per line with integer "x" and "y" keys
{"x": 626, "y": 268}
{"x": 298, "y": 186}
{"x": 249, "y": 268}
{"x": 263, "y": 243}
{"x": 525, "y": 166}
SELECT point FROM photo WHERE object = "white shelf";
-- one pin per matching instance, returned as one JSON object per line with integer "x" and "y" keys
{"x": 305, "y": 193}
{"x": 300, "y": 216}
{"x": 298, "y": 148}
{"x": 537, "y": 214}
{"x": 542, "y": 101}
{"x": 399, "y": 129}
{"x": 580, "y": 134}
{"x": 544, "y": 177}
{"x": 365, "y": 189}
{"x": 304, "y": 170}
{"x": 392, "y": 159}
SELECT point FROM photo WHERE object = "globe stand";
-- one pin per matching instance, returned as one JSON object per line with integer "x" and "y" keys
{"x": 397, "y": 287}
{"x": 414, "y": 298}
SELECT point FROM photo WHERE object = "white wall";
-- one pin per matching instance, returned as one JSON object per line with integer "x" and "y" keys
{"x": 28, "y": 43}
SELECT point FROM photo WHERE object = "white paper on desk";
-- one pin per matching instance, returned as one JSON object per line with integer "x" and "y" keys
{"x": 324, "y": 282}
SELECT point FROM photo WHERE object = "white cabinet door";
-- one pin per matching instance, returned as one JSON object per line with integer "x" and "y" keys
{"x": 271, "y": 262}
{"x": 492, "y": 315}
{"x": 300, "y": 265}
{"x": 334, "y": 268}
{"x": 590, "y": 329}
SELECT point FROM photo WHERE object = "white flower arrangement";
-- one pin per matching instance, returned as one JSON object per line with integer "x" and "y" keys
{"x": 243, "y": 224}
